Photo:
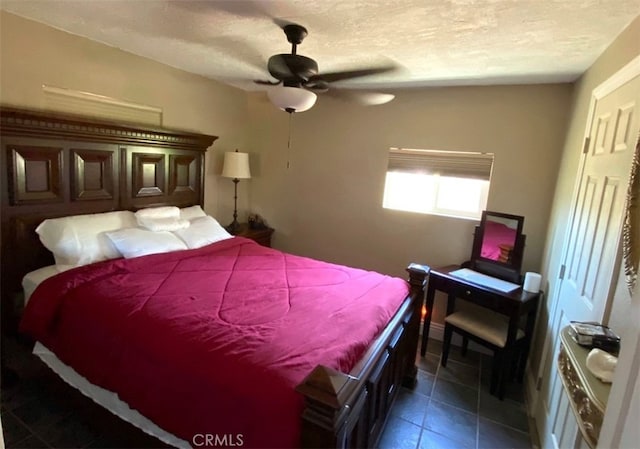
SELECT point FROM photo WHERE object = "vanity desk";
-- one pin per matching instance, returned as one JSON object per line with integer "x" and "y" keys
{"x": 515, "y": 305}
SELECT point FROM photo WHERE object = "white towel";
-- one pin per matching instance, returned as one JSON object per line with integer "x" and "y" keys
{"x": 159, "y": 212}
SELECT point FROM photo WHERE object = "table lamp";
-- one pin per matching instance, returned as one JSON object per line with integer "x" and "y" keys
{"x": 236, "y": 166}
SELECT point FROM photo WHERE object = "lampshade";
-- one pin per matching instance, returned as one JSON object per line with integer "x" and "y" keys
{"x": 292, "y": 99}
{"x": 236, "y": 165}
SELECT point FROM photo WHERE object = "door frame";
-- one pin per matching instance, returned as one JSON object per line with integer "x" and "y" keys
{"x": 619, "y": 78}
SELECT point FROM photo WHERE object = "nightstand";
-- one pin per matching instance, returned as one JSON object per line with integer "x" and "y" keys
{"x": 261, "y": 236}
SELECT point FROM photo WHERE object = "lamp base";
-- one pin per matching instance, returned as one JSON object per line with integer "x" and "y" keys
{"x": 233, "y": 227}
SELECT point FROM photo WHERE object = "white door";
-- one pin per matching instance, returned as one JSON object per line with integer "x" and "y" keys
{"x": 592, "y": 250}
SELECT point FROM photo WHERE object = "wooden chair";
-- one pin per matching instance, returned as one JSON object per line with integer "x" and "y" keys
{"x": 489, "y": 329}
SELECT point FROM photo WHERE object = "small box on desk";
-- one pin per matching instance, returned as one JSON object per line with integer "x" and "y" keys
{"x": 594, "y": 335}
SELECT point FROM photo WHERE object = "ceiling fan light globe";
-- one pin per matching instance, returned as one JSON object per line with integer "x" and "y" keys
{"x": 292, "y": 99}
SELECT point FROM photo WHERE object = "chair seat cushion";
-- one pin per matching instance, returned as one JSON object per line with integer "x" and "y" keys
{"x": 484, "y": 324}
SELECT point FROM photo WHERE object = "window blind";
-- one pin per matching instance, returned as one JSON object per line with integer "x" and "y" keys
{"x": 457, "y": 164}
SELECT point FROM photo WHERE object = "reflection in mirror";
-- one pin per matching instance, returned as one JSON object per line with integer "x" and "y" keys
{"x": 499, "y": 238}
{"x": 498, "y": 245}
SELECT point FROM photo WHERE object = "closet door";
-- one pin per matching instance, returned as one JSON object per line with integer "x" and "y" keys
{"x": 592, "y": 254}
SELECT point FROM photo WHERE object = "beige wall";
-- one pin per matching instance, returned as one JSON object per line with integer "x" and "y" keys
{"x": 327, "y": 205}
{"x": 33, "y": 55}
{"x": 620, "y": 52}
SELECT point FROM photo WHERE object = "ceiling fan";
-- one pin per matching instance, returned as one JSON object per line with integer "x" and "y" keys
{"x": 299, "y": 78}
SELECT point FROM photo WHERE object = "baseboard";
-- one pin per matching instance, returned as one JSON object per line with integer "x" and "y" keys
{"x": 531, "y": 402}
{"x": 530, "y": 391}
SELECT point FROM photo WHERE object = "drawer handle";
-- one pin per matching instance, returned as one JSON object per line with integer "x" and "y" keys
{"x": 468, "y": 292}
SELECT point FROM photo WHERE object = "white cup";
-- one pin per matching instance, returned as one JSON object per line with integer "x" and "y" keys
{"x": 532, "y": 282}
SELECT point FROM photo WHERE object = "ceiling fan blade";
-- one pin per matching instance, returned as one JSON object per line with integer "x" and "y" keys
{"x": 372, "y": 98}
{"x": 332, "y": 77}
{"x": 237, "y": 48}
{"x": 246, "y": 8}
{"x": 318, "y": 86}
{"x": 361, "y": 97}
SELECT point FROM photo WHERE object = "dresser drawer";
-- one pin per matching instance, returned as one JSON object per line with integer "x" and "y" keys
{"x": 478, "y": 295}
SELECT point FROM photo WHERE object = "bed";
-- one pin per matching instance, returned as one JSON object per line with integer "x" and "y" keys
{"x": 63, "y": 165}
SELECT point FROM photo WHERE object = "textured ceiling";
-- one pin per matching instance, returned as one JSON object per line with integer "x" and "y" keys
{"x": 434, "y": 42}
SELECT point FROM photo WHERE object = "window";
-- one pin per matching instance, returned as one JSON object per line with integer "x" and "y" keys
{"x": 451, "y": 183}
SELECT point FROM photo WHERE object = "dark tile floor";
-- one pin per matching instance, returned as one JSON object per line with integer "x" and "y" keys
{"x": 42, "y": 411}
{"x": 449, "y": 408}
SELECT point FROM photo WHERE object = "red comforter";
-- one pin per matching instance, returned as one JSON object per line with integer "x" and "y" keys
{"x": 212, "y": 340}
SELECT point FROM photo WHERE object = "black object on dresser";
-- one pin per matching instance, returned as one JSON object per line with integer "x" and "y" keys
{"x": 259, "y": 235}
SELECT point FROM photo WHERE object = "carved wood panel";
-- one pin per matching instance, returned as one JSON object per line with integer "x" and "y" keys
{"x": 35, "y": 173}
{"x": 148, "y": 174}
{"x": 92, "y": 174}
{"x": 184, "y": 175}
{"x": 24, "y": 229}
{"x": 156, "y": 177}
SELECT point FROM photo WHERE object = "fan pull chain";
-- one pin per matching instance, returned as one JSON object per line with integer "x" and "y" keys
{"x": 289, "y": 142}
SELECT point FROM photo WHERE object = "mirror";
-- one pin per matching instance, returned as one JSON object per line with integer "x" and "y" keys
{"x": 631, "y": 230}
{"x": 498, "y": 245}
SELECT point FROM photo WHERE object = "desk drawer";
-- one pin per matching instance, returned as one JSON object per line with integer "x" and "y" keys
{"x": 477, "y": 295}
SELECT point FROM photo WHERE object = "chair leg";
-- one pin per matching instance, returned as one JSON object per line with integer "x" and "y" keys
{"x": 507, "y": 360}
{"x": 496, "y": 371}
{"x": 448, "y": 333}
{"x": 522, "y": 362}
{"x": 514, "y": 365}
{"x": 465, "y": 345}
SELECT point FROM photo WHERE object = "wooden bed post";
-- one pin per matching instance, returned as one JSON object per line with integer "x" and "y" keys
{"x": 329, "y": 400}
{"x": 349, "y": 410}
{"x": 417, "y": 280}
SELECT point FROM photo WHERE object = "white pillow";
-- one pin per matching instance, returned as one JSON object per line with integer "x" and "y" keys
{"x": 136, "y": 242}
{"x": 162, "y": 224}
{"x": 159, "y": 212}
{"x": 203, "y": 231}
{"x": 189, "y": 213}
{"x": 80, "y": 239}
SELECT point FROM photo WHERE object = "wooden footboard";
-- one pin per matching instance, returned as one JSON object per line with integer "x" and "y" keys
{"x": 350, "y": 410}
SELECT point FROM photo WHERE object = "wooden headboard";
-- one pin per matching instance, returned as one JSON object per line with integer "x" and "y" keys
{"x": 55, "y": 165}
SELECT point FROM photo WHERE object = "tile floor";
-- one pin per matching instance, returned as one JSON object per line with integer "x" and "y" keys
{"x": 449, "y": 408}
